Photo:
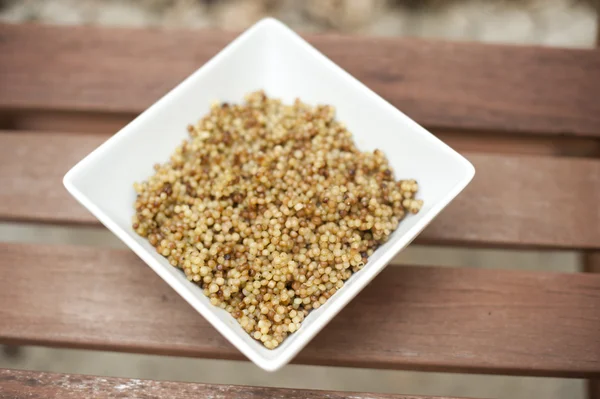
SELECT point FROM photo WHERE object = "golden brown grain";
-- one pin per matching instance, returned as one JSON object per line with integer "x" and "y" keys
{"x": 269, "y": 208}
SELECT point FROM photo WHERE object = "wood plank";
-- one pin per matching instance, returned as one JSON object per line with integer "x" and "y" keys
{"x": 32, "y": 167}
{"x": 516, "y": 201}
{"x": 425, "y": 318}
{"x": 463, "y": 86}
{"x": 591, "y": 264}
{"x": 18, "y": 384}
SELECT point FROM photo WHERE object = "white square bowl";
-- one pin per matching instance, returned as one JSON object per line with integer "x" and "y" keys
{"x": 271, "y": 57}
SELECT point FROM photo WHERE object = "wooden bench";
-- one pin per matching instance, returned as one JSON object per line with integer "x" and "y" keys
{"x": 527, "y": 117}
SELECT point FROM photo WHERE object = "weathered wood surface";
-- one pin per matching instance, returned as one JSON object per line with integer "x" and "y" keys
{"x": 31, "y": 384}
{"x": 440, "y": 84}
{"x": 591, "y": 263}
{"x": 514, "y": 200}
{"x": 426, "y": 318}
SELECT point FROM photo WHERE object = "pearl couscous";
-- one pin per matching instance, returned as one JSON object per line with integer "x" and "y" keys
{"x": 269, "y": 208}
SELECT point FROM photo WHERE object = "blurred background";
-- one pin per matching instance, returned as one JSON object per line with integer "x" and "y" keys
{"x": 569, "y": 23}
{"x": 563, "y": 23}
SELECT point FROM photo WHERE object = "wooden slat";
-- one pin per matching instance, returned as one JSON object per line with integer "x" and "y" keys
{"x": 32, "y": 167}
{"x": 427, "y": 318}
{"x": 591, "y": 264}
{"x": 32, "y": 384}
{"x": 441, "y": 85}
{"x": 513, "y": 201}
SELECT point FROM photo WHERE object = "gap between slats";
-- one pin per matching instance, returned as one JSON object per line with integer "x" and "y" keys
{"x": 99, "y": 237}
{"x": 294, "y": 376}
{"x": 44, "y": 121}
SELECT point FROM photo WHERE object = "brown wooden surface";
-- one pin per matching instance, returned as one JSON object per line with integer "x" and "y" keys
{"x": 440, "y": 84}
{"x": 513, "y": 201}
{"x": 592, "y": 260}
{"x": 591, "y": 263}
{"x": 17, "y": 384}
{"x": 426, "y": 318}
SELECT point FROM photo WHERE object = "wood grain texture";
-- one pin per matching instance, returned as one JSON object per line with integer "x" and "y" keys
{"x": 31, "y": 384}
{"x": 439, "y": 84}
{"x": 424, "y": 318}
{"x": 591, "y": 264}
{"x": 32, "y": 167}
{"x": 516, "y": 201}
